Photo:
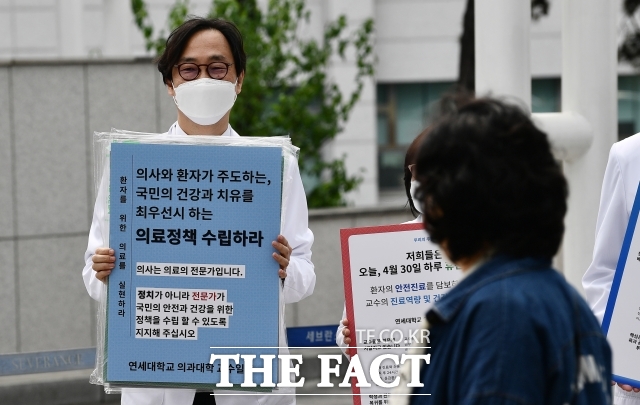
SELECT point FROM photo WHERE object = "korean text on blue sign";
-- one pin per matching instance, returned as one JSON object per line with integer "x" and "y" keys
{"x": 191, "y": 226}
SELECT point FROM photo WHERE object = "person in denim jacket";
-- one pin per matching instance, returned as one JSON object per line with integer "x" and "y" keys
{"x": 513, "y": 331}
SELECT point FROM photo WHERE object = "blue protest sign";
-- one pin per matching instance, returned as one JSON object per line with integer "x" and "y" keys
{"x": 191, "y": 226}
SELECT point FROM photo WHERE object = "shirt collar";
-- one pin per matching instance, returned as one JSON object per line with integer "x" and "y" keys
{"x": 495, "y": 268}
{"x": 176, "y": 130}
{"x": 473, "y": 268}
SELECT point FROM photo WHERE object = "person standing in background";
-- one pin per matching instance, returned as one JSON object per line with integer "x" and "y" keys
{"x": 621, "y": 179}
{"x": 512, "y": 331}
{"x": 343, "y": 334}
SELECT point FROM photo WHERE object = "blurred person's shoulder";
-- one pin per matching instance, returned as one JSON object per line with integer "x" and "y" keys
{"x": 542, "y": 295}
{"x": 528, "y": 287}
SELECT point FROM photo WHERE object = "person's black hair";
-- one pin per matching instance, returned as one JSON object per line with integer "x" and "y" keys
{"x": 178, "y": 39}
{"x": 449, "y": 102}
{"x": 489, "y": 183}
{"x": 410, "y": 158}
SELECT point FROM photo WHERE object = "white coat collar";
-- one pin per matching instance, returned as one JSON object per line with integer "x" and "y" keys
{"x": 176, "y": 130}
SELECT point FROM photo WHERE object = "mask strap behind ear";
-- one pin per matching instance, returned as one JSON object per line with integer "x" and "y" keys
{"x": 174, "y": 92}
{"x": 234, "y": 86}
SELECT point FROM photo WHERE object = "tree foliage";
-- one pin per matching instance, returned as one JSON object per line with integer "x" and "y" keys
{"x": 287, "y": 88}
{"x": 177, "y": 15}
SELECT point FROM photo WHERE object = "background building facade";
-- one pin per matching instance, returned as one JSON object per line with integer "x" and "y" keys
{"x": 72, "y": 67}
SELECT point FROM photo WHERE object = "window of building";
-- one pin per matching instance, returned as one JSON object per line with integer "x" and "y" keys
{"x": 404, "y": 110}
{"x": 545, "y": 95}
{"x": 628, "y": 106}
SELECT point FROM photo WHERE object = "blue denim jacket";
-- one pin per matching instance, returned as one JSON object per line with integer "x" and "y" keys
{"x": 515, "y": 332}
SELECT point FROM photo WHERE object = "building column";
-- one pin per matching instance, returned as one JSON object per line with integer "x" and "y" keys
{"x": 589, "y": 88}
{"x": 502, "y": 42}
{"x": 70, "y": 14}
{"x": 118, "y": 19}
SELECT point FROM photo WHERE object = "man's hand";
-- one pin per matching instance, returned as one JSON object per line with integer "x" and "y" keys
{"x": 282, "y": 255}
{"x": 103, "y": 262}
{"x": 626, "y": 387}
{"x": 346, "y": 332}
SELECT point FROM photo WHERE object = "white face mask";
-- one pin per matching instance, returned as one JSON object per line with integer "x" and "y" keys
{"x": 205, "y": 101}
{"x": 414, "y": 186}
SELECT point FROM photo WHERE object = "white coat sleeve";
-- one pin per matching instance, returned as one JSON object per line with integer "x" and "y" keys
{"x": 93, "y": 285}
{"x": 613, "y": 217}
{"x": 610, "y": 229}
{"x": 301, "y": 277}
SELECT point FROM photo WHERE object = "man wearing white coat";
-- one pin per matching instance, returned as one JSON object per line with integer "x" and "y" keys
{"x": 619, "y": 188}
{"x": 203, "y": 68}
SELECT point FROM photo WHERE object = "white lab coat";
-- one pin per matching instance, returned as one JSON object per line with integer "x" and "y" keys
{"x": 339, "y": 337}
{"x": 298, "y": 284}
{"x": 619, "y": 187}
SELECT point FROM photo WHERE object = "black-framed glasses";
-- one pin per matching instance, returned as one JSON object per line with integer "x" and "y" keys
{"x": 190, "y": 71}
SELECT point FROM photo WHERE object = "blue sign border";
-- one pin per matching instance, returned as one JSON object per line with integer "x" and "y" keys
{"x": 263, "y": 214}
{"x": 617, "y": 278}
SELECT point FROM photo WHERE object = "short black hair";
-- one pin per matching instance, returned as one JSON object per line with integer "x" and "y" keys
{"x": 449, "y": 102}
{"x": 178, "y": 39}
{"x": 488, "y": 181}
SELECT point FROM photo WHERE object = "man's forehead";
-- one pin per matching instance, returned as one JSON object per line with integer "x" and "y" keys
{"x": 207, "y": 46}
